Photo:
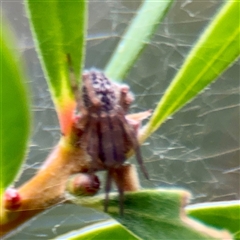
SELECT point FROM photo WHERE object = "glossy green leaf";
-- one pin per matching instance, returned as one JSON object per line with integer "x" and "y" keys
{"x": 216, "y": 49}
{"x": 223, "y": 215}
{"x": 99, "y": 231}
{"x": 136, "y": 37}
{"x": 155, "y": 214}
{"x": 15, "y": 117}
{"x": 59, "y": 33}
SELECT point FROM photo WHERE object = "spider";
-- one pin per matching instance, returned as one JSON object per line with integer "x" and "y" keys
{"x": 107, "y": 134}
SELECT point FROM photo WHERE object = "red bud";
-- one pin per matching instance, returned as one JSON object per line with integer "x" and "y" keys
{"x": 12, "y": 199}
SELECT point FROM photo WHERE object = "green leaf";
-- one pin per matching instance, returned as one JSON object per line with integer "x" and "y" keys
{"x": 15, "y": 117}
{"x": 223, "y": 215}
{"x": 216, "y": 49}
{"x": 136, "y": 37}
{"x": 59, "y": 33}
{"x": 103, "y": 230}
{"x": 156, "y": 214}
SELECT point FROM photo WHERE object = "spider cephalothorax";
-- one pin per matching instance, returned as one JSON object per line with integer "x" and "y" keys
{"x": 98, "y": 92}
{"x": 107, "y": 134}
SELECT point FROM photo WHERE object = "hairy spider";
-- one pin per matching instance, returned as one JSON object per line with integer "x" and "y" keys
{"x": 107, "y": 133}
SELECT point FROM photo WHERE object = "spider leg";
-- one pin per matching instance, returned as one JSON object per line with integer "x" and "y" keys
{"x": 107, "y": 189}
{"x": 139, "y": 116}
{"x": 118, "y": 141}
{"x": 121, "y": 198}
{"x": 91, "y": 92}
{"x": 126, "y": 98}
{"x": 140, "y": 160}
{"x": 93, "y": 139}
{"x": 112, "y": 142}
{"x": 106, "y": 142}
{"x": 112, "y": 153}
{"x": 133, "y": 139}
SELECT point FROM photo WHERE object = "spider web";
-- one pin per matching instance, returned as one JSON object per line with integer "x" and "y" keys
{"x": 196, "y": 149}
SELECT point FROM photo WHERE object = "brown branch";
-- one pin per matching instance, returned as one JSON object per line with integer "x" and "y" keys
{"x": 47, "y": 187}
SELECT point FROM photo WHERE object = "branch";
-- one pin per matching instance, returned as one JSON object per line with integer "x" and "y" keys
{"x": 47, "y": 187}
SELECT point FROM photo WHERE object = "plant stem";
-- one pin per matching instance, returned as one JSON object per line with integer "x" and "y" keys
{"x": 47, "y": 187}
